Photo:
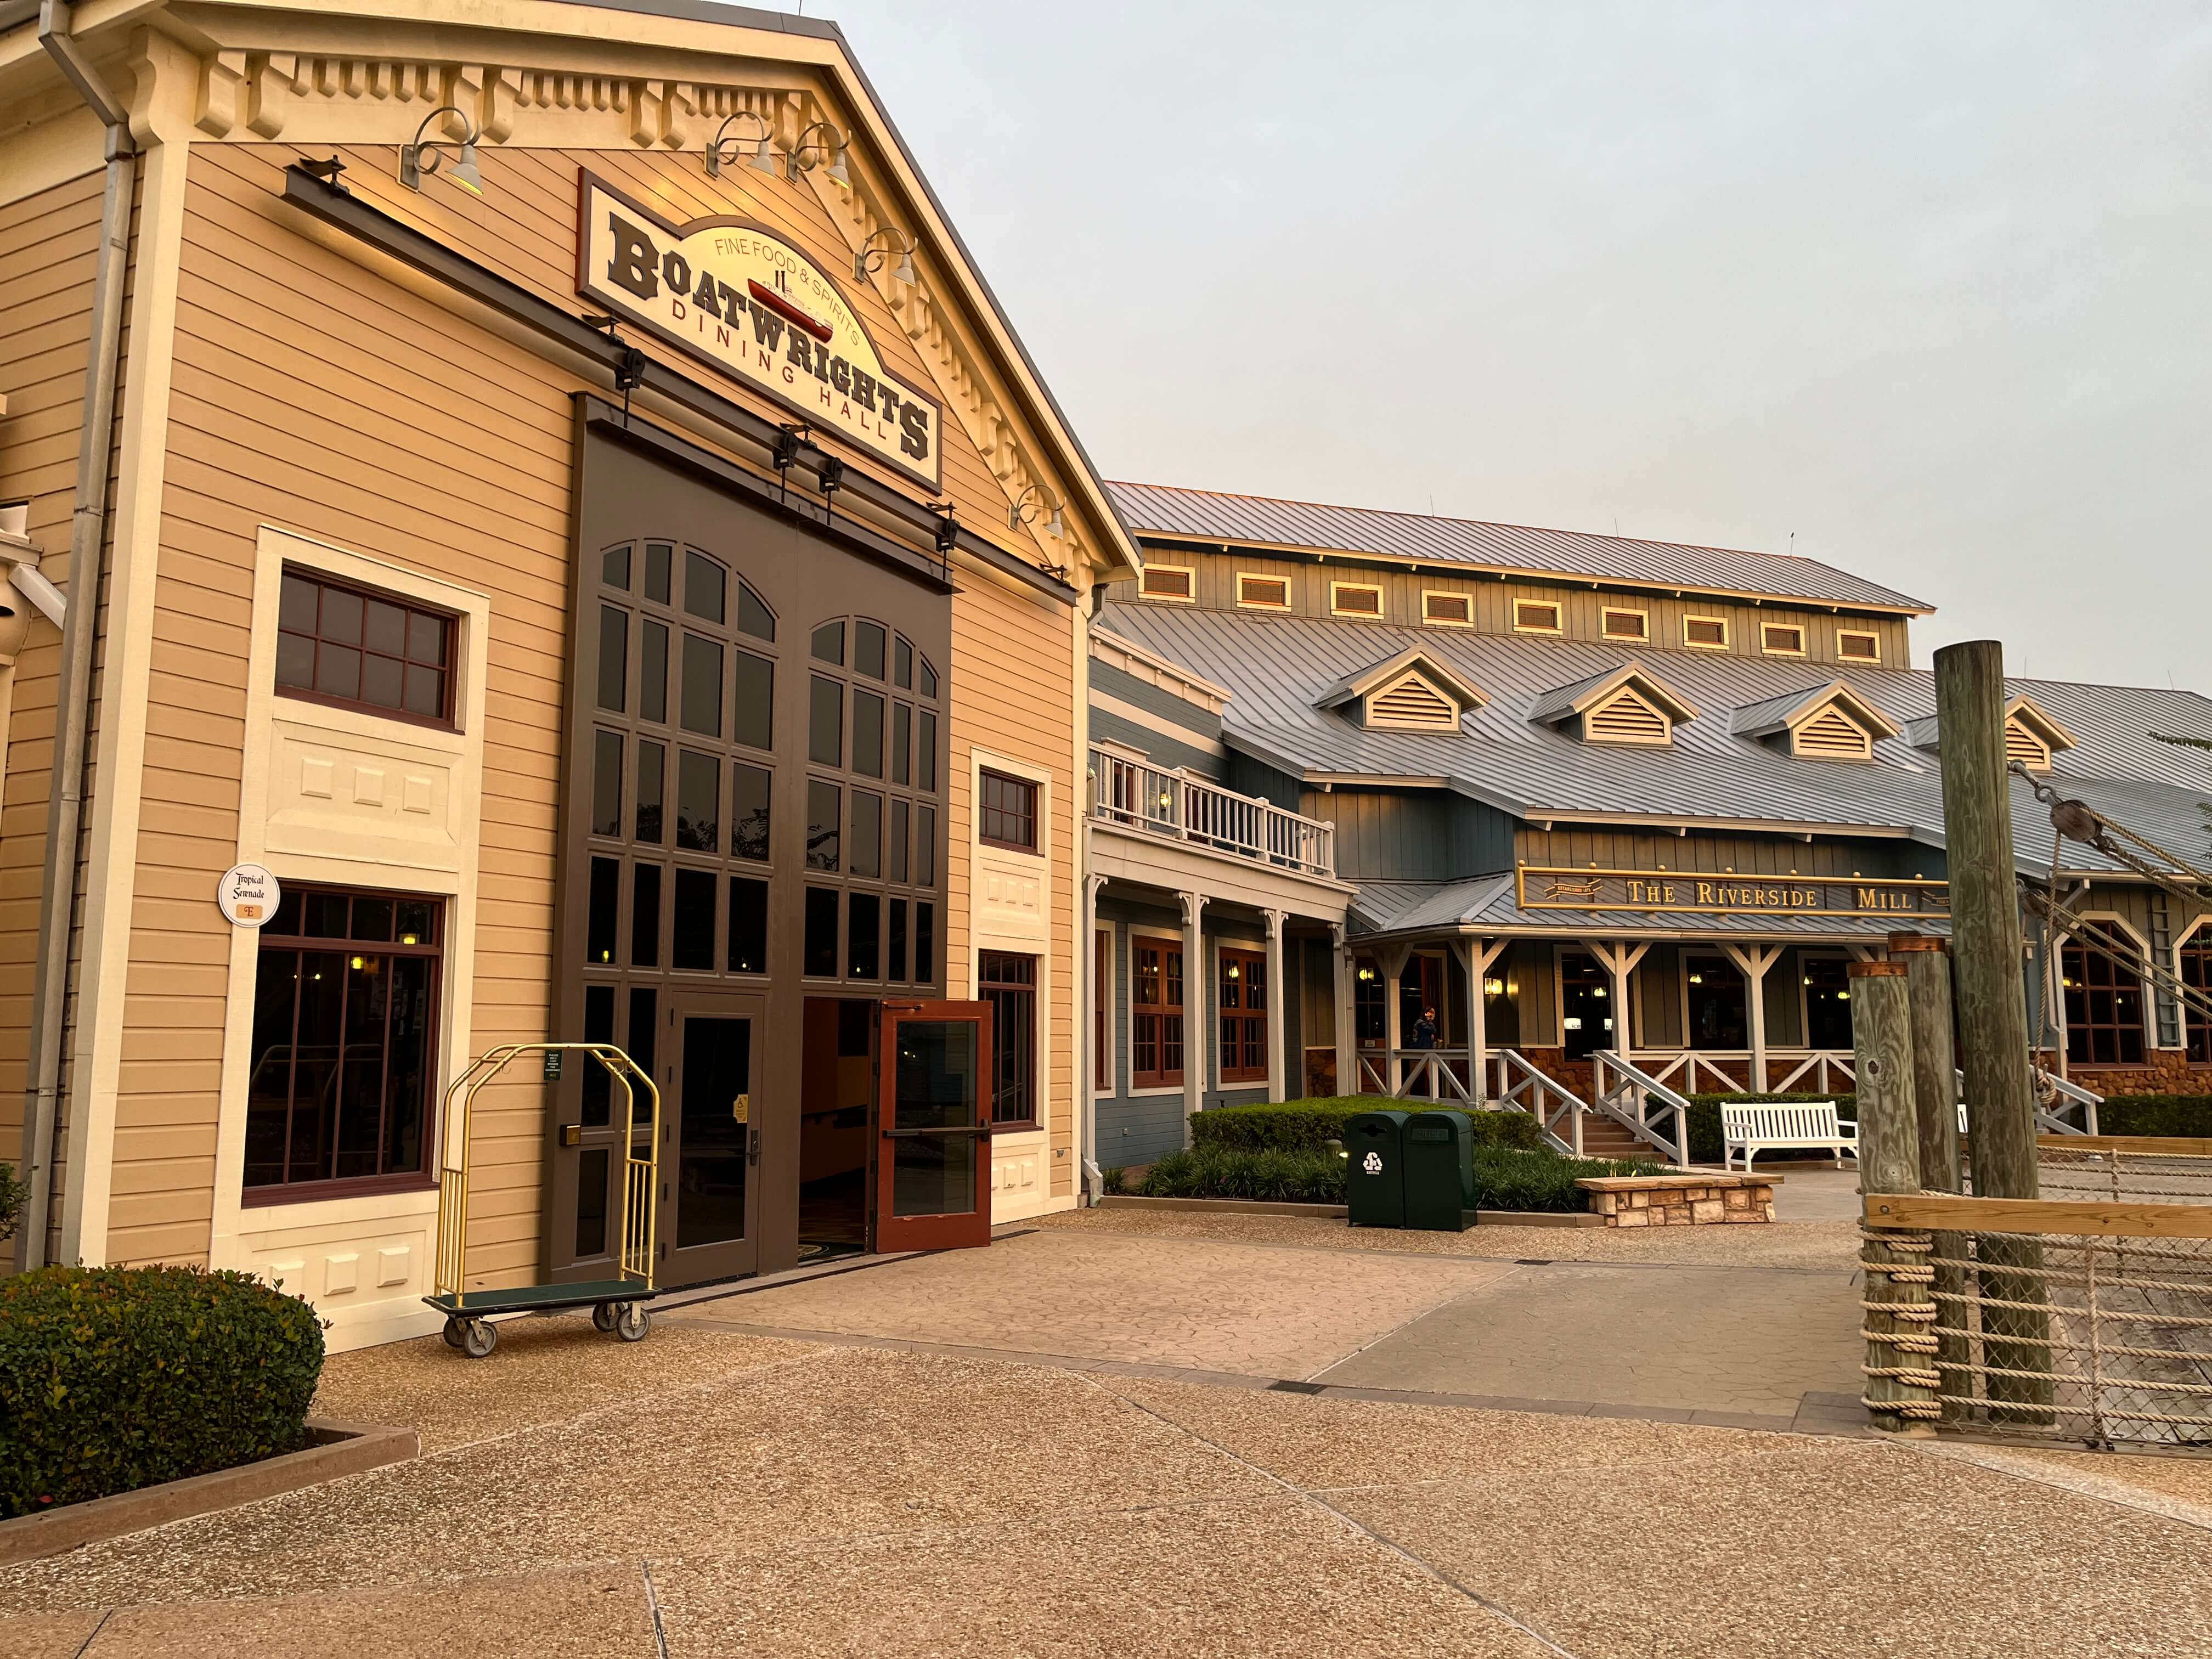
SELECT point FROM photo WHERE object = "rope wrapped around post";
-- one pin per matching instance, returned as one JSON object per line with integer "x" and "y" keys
{"x": 1899, "y": 1327}
{"x": 1898, "y": 1304}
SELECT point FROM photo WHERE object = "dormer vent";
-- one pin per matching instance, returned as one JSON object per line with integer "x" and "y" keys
{"x": 2032, "y": 736}
{"x": 1830, "y": 722}
{"x": 1412, "y": 703}
{"x": 1413, "y": 691}
{"x": 1628, "y": 704}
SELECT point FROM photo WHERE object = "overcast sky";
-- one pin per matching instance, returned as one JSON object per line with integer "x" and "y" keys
{"x": 1928, "y": 286}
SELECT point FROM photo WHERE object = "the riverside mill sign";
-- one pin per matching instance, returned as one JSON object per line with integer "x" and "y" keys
{"x": 1703, "y": 893}
{"x": 735, "y": 295}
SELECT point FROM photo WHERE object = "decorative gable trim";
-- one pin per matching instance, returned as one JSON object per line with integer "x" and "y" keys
{"x": 2032, "y": 736}
{"x": 1627, "y": 717}
{"x": 1410, "y": 704}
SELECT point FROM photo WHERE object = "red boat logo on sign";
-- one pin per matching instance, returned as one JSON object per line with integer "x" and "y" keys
{"x": 736, "y": 295}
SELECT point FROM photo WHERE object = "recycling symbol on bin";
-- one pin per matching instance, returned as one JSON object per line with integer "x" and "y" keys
{"x": 1372, "y": 1163}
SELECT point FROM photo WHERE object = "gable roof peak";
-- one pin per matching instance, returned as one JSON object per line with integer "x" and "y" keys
{"x": 1786, "y": 713}
{"x": 1468, "y": 695}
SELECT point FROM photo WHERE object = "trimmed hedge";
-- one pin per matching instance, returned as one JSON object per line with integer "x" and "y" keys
{"x": 2155, "y": 1114}
{"x": 1705, "y": 1116}
{"x": 1506, "y": 1177}
{"x": 114, "y": 1378}
{"x": 1308, "y": 1124}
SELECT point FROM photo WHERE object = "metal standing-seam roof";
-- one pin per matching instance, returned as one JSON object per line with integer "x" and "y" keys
{"x": 1207, "y": 515}
{"x": 1276, "y": 668}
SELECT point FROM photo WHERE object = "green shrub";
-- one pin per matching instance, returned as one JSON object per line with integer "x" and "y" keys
{"x": 1308, "y": 1124}
{"x": 2155, "y": 1114}
{"x": 1705, "y": 1119}
{"x": 14, "y": 1194}
{"x": 1506, "y": 1177}
{"x": 114, "y": 1378}
{"x": 1113, "y": 1182}
{"x": 1275, "y": 1175}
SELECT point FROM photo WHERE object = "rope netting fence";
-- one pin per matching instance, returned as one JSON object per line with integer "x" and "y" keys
{"x": 2084, "y": 1317}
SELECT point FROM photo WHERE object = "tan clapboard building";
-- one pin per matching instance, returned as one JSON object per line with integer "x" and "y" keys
{"x": 569, "y": 509}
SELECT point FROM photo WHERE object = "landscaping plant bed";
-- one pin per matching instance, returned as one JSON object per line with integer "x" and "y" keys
{"x": 1340, "y": 1212}
{"x": 339, "y": 1448}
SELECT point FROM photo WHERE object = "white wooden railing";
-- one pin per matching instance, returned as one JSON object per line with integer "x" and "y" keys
{"x": 1419, "y": 1074}
{"x": 2072, "y": 1109}
{"x": 1648, "y": 1110}
{"x": 1144, "y": 797}
{"x": 1522, "y": 1087}
{"x": 1715, "y": 1071}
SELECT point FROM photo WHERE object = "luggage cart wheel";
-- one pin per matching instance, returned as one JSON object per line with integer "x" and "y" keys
{"x": 452, "y": 1332}
{"x": 603, "y": 1315}
{"x": 632, "y": 1323}
{"x": 479, "y": 1338}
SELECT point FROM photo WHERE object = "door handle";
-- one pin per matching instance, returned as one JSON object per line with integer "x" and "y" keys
{"x": 752, "y": 1150}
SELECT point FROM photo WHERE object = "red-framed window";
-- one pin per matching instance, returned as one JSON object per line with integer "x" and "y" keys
{"x": 1102, "y": 1008}
{"x": 358, "y": 648}
{"x": 1243, "y": 993}
{"x": 341, "y": 1095}
{"x": 1008, "y": 806}
{"x": 2103, "y": 1001}
{"x": 1007, "y": 981}
{"x": 1155, "y": 1012}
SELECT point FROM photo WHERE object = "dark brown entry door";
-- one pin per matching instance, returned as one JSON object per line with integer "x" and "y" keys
{"x": 710, "y": 1144}
{"x": 933, "y": 1161}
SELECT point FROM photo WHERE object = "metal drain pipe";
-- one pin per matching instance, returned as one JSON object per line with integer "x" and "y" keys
{"x": 57, "y": 902}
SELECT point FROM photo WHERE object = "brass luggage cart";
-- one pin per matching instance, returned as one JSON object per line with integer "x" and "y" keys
{"x": 617, "y": 1304}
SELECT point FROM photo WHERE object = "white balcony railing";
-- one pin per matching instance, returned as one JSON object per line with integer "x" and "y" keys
{"x": 1182, "y": 808}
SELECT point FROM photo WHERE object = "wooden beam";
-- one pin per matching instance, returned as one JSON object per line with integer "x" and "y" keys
{"x": 1900, "y": 1391}
{"x": 2083, "y": 1218}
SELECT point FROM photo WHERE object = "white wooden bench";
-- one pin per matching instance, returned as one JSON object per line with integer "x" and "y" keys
{"x": 1768, "y": 1126}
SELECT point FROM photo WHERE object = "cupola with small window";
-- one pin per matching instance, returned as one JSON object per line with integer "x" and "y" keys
{"x": 1830, "y": 722}
{"x": 1412, "y": 691}
{"x": 1629, "y": 704}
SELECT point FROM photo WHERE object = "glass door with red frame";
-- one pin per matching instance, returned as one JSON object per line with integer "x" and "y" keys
{"x": 933, "y": 1163}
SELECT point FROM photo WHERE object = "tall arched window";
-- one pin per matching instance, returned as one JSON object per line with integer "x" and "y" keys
{"x": 2196, "y": 973}
{"x": 2104, "y": 999}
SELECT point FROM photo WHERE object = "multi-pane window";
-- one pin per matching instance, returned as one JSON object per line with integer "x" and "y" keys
{"x": 1008, "y": 982}
{"x": 340, "y": 644}
{"x": 1008, "y": 812}
{"x": 1827, "y": 988}
{"x": 1155, "y": 1012}
{"x": 1714, "y": 993}
{"x": 2196, "y": 973}
{"x": 874, "y": 754}
{"x": 345, "y": 1007}
{"x": 682, "y": 775}
{"x": 2104, "y": 999}
{"x": 1243, "y": 995}
{"x": 1370, "y": 1005}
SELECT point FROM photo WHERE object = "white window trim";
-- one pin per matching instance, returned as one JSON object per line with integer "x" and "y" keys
{"x": 1859, "y": 633}
{"x": 1428, "y": 593}
{"x": 1556, "y": 607}
{"x": 1191, "y": 598}
{"x": 1604, "y": 611}
{"x": 1766, "y": 650}
{"x": 2113, "y": 918}
{"x": 1244, "y": 603}
{"x": 1727, "y": 637}
{"x": 1376, "y": 588}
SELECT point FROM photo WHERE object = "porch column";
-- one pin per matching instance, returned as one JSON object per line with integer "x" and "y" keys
{"x": 1752, "y": 961}
{"x": 1618, "y": 960}
{"x": 1475, "y": 956}
{"x": 1347, "y": 1039}
{"x": 1087, "y": 1044}
{"x": 1393, "y": 964}
{"x": 1196, "y": 1014}
{"x": 1278, "y": 1026}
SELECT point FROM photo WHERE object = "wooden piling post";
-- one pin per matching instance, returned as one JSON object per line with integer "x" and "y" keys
{"x": 1900, "y": 1318}
{"x": 1936, "y": 1108}
{"x": 1987, "y": 951}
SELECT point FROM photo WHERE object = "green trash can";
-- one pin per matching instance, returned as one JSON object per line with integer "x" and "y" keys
{"x": 1438, "y": 1160}
{"x": 1373, "y": 1182}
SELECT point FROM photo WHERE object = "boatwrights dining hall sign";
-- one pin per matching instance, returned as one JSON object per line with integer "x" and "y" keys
{"x": 735, "y": 295}
{"x": 1701, "y": 892}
